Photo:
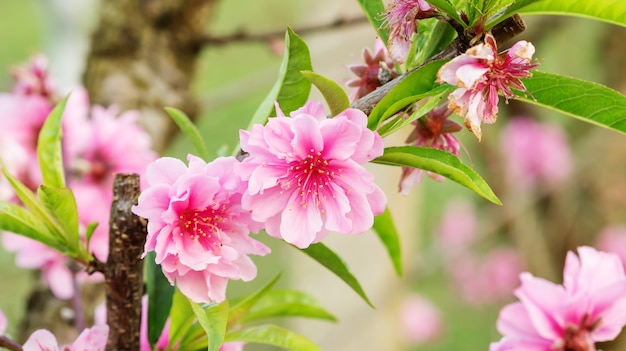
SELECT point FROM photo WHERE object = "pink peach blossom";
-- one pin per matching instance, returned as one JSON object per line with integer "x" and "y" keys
{"x": 401, "y": 19}
{"x": 589, "y": 307}
{"x": 91, "y": 339}
{"x": 376, "y": 66}
{"x": 480, "y": 73}
{"x": 435, "y": 131}
{"x": 535, "y": 153}
{"x": 197, "y": 227}
{"x": 305, "y": 176}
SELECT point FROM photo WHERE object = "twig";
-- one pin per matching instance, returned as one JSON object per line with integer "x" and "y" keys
{"x": 9, "y": 344}
{"x": 504, "y": 31}
{"x": 124, "y": 270}
{"x": 245, "y": 36}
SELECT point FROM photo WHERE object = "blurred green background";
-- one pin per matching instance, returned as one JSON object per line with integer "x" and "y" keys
{"x": 233, "y": 79}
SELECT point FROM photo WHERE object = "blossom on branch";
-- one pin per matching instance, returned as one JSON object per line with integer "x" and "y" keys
{"x": 376, "y": 70}
{"x": 480, "y": 73}
{"x": 197, "y": 227}
{"x": 589, "y": 307}
{"x": 91, "y": 339}
{"x": 305, "y": 176}
{"x": 401, "y": 19}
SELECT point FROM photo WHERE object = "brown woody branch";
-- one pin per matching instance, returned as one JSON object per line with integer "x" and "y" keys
{"x": 243, "y": 36}
{"x": 123, "y": 272}
{"x": 9, "y": 344}
{"x": 504, "y": 31}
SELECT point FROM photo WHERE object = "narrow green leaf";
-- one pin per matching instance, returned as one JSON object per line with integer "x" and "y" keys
{"x": 446, "y": 7}
{"x": 440, "y": 162}
{"x": 91, "y": 228}
{"x": 182, "y": 318}
{"x": 611, "y": 11}
{"x": 375, "y": 12}
{"x": 433, "y": 36}
{"x": 509, "y": 11}
{"x": 241, "y": 308}
{"x": 16, "y": 219}
{"x": 190, "y": 130}
{"x": 334, "y": 94}
{"x": 160, "y": 296}
{"x": 31, "y": 202}
{"x": 385, "y": 228}
{"x": 213, "y": 320}
{"x": 273, "y": 335}
{"x": 49, "y": 153}
{"x": 291, "y": 89}
{"x": 587, "y": 101}
{"x": 415, "y": 86}
{"x": 287, "y": 303}
{"x": 329, "y": 259}
{"x": 61, "y": 204}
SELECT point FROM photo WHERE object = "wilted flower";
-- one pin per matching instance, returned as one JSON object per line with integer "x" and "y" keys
{"x": 435, "y": 131}
{"x": 376, "y": 66}
{"x": 91, "y": 339}
{"x": 535, "y": 152}
{"x": 196, "y": 225}
{"x": 401, "y": 19}
{"x": 305, "y": 176}
{"x": 480, "y": 73}
{"x": 589, "y": 307}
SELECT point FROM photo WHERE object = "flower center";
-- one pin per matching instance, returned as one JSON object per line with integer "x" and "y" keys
{"x": 204, "y": 226}
{"x": 311, "y": 176}
{"x": 578, "y": 337}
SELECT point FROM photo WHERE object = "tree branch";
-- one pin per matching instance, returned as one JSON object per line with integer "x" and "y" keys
{"x": 246, "y": 36}
{"x": 9, "y": 344}
{"x": 123, "y": 273}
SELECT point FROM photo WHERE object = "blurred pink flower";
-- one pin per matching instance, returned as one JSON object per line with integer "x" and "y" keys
{"x": 197, "y": 227}
{"x": 3, "y": 323}
{"x": 458, "y": 226}
{"x": 480, "y": 73}
{"x": 401, "y": 19}
{"x": 613, "y": 239}
{"x": 421, "y": 321}
{"x": 305, "y": 176}
{"x": 435, "y": 131}
{"x": 535, "y": 152}
{"x": 32, "y": 78}
{"x": 116, "y": 144}
{"x": 376, "y": 66}
{"x": 90, "y": 339}
{"x": 589, "y": 307}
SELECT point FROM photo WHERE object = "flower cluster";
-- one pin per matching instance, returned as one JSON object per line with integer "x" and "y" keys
{"x": 96, "y": 144}
{"x": 480, "y": 73}
{"x": 302, "y": 178}
{"x": 589, "y": 307}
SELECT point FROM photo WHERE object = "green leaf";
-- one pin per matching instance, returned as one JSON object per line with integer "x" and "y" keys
{"x": 273, "y": 335}
{"x": 509, "y": 11}
{"x": 287, "y": 303}
{"x": 190, "y": 130}
{"x": 440, "y": 162}
{"x": 49, "y": 153}
{"x": 213, "y": 320}
{"x": 160, "y": 296}
{"x": 16, "y": 219}
{"x": 61, "y": 204}
{"x": 385, "y": 228}
{"x": 241, "y": 308}
{"x": 329, "y": 259}
{"x": 91, "y": 228}
{"x": 446, "y": 7}
{"x": 436, "y": 97}
{"x": 611, "y": 11}
{"x": 334, "y": 95}
{"x": 375, "y": 12}
{"x": 587, "y": 101}
{"x": 418, "y": 84}
{"x": 291, "y": 90}
{"x": 433, "y": 36}
{"x": 182, "y": 318}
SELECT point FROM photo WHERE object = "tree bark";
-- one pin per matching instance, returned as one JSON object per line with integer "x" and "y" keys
{"x": 143, "y": 56}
